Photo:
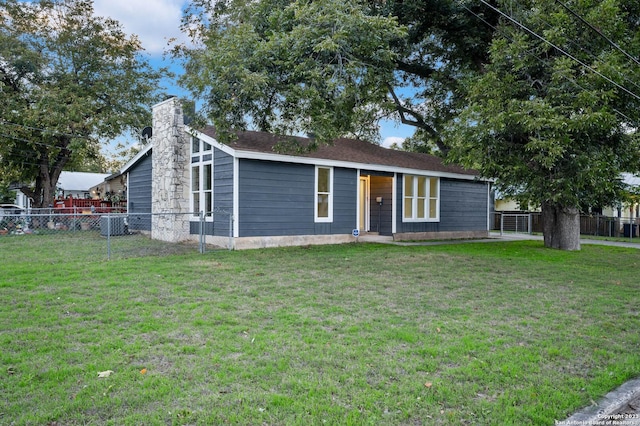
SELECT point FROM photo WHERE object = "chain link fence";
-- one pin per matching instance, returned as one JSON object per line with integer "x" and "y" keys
{"x": 114, "y": 234}
{"x": 594, "y": 225}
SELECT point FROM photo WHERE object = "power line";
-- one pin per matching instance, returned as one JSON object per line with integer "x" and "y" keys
{"x": 570, "y": 79}
{"x": 45, "y": 130}
{"x": 584, "y": 21}
{"x": 4, "y": 135}
{"x": 564, "y": 52}
{"x": 591, "y": 54}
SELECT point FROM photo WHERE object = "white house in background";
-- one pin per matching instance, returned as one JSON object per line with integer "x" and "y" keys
{"x": 78, "y": 184}
{"x": 627, "y": 210}
{"x": 75, "y": 184}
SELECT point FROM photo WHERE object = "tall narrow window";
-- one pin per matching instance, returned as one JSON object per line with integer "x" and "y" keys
{"x": 201, "y": 178}
{"x": 420, "y": 199}
{"x": 324, "y": 194}
{"x": 195, "y": 190}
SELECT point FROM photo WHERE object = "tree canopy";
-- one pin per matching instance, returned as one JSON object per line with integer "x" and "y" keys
{"x": 331, "y": 67}
{"x": 553, "y": 117}
{"x": 67, "y": 79}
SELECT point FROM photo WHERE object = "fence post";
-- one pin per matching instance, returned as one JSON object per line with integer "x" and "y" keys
{"x": 530, "y": 225}
{"x": 108, "y": 236}
{"x": 501, "y": 224}
{"x": 201, "y": 233}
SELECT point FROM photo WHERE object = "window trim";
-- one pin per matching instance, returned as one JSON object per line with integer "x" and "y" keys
{"x": 316, "y": 193}
{"x": 427, "y": 198}
{"x": 197, "y": 163}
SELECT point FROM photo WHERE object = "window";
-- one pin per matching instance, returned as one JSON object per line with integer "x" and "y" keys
{"x": 324, "y": 194}
{"x": 421, "y": 202}
{"x": 201, "y": 178}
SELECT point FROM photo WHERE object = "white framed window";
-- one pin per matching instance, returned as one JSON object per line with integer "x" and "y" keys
{"x": 201, "y": 178}
{"x": 324, "y": 194}
{"x": 421, "y": 199}
{"x": 198, "y": 146}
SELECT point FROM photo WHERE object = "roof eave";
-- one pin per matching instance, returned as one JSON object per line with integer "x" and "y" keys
{"x": 285, "y": 158}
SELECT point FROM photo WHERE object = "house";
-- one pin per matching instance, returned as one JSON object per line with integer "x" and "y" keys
{"x": 78, "y": 184}
{"x": 75, "y": 185}
{"x": 275, "y": 197}
{"x": 112, "y": 188}
{"x": 629, "y": 210}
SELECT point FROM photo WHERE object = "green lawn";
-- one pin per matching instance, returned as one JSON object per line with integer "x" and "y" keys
{"x": 475, "y": 333}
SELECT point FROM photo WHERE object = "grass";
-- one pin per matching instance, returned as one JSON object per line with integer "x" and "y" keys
{"x": 475, "y": 333}
{"x": 633, "y": 240}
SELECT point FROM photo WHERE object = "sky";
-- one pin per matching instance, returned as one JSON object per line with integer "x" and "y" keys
{"x": 156, "y": 22}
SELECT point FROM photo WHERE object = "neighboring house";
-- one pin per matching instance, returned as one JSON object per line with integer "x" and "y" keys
{"x": 506, "y": 204}
{"x": 113, "y": 187}
{"x": 286, "y": 198}
{"x": 627, "y": 210}
{"x": 22, "y": 200}
{"x": 78, "y": 184}
{"x": 70, "y": 184}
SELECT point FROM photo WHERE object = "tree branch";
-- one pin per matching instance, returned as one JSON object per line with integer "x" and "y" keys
{"x": 418, "y": 121}
{"x": 416, "y": 69}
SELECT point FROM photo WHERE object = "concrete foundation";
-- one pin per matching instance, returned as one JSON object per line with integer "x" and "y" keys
{"x": 457, "y": 235}
{"x": 244, "y": 243}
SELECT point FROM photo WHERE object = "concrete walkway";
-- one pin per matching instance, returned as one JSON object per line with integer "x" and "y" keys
{"x": 632, "y": 243}
{"x": 493, "y": 236}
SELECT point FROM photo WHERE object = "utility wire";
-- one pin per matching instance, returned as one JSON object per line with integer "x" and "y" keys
{"x": 44, "y": 130}
{"x": 564, "y": 52}
{"x": 591, "y": 54}
{"x": 584, "y": 21}
{"x": 16, "y": 138}
{"x": 572, "y": 80}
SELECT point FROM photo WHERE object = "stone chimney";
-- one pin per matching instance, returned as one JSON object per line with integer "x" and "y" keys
{"x": 170, "y": 173}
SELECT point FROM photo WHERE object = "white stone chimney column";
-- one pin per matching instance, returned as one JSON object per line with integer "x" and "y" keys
{"x": 170, "y": 173}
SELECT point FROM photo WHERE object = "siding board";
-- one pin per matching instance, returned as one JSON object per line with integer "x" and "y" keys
{"x": 222, "y": 191}
{"x": 278, "y": 199}
{"x": 140, "y": 177}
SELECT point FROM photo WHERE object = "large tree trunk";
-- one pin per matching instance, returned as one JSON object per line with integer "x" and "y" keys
{"x": 561, "y": 227}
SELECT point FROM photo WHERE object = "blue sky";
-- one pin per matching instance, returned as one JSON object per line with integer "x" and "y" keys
{"x": 156, "y": 22}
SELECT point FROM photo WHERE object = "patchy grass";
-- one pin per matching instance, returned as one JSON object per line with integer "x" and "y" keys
{"x": 475, "y": 333}
{"x": 633, "y": 240}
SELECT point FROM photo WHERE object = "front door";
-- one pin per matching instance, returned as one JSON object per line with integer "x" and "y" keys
{"x": 363, "y": 220}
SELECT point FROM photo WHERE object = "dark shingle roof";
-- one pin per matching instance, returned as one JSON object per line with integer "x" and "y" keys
{"x": 350, "y": 150}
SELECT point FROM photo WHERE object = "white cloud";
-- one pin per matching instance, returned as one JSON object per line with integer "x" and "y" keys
{"x": 153, "y": 21}
{"x": 388, "y": 141}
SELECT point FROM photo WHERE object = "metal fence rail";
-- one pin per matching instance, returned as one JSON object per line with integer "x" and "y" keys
{"x": 595, "y": 225}
{"x": 114, "y": 234}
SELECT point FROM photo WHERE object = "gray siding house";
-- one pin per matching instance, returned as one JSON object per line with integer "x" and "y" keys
{"x": 255, "y": 193}
{"x": 138, "y": 177}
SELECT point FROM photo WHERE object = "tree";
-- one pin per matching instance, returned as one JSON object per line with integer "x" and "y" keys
{"x": 67, "y": 79}
{"x": 330, "y": 67}
{"x": 557, "y": 131}
{"x": 7, "y": 196}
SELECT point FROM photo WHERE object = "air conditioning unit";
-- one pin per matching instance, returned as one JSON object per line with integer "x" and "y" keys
{"x": 112, "y": 225}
